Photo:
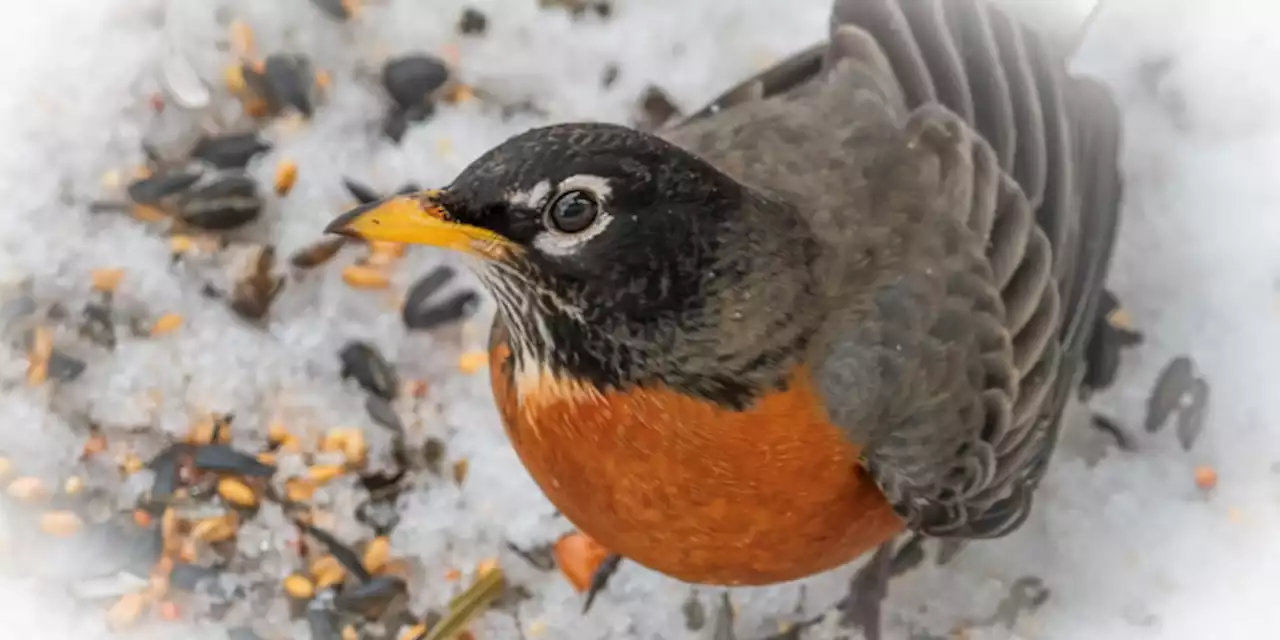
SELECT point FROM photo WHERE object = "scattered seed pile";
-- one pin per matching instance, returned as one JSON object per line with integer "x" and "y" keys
{"x": 221, "y": 424}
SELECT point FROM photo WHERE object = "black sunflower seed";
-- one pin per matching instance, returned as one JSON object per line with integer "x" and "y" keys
{"x": 411, "y": 79}
{"x": 229, "y": 151}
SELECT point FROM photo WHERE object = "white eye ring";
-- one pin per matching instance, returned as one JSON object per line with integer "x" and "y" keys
{"x": 572, "y": 211}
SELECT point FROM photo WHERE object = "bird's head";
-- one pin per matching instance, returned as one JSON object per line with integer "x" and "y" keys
{"x": 615, "y": 257}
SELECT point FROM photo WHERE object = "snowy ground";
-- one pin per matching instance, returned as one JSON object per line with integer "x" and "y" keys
{"x": 1128, "y": 546}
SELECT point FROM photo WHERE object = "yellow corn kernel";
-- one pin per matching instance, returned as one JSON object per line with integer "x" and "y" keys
{"x": 235, "y": 491}
{"x": 472, "y": 361}
{"x": 166, "y": 324}
{"x": 61, "y": 523}
{"x": 299, "y": 587}
{"x": 27, "y": 489}
{"x": 327, "y": 572}
{"x": 286, "y": 176}
{"x": 376, "y": 554}
{"x": 106, "y": 280}
{"x": 365, "y": 277}
{"x": 325, "y": 473}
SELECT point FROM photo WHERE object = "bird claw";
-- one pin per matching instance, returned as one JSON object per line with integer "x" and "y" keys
{"x": 867, "y": 591}
{"x": 600, "y": 579}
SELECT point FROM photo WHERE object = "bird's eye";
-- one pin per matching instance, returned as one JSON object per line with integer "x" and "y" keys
{"x": 573, "y": 211}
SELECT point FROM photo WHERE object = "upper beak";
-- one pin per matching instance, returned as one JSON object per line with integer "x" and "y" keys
{"x": 418, "y": 218}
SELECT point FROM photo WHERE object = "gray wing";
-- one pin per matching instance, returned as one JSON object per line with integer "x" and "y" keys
{"x": 1027, "y": 158}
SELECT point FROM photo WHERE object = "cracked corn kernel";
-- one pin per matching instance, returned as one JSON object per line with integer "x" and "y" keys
{"x": 27, "y": 489}
{"x": 61, "y": 523}
{"x": 325, "y": 473}
{"x": 166, "y": 324}
{"x": 485, "y": 567}
{"x": 73, "y": 485}
{"x": 472, "y": 361}
{"x": 299, "y": 489}
{"x": 148, "y": 213}
{"x": 242, "y": 41}
{"x": 127, "y": 610}
{"x": 299, "y": 587}
{"x": 365, "y": 277}
{"x": 328, "y": 571}
{"x": 236, "y": 492}
{"x": 170, "y": 611}
{"x": 376, "y": 554}
{"x": 1206, "y": 477}
{"x": 38, "y": 357}
{"x": 286, "y": 176}
{"x": 349, "y": 633}
{"x": 106, "y": 280}
{"x": 131, "y": 464}
{"x": 387, "y": 248}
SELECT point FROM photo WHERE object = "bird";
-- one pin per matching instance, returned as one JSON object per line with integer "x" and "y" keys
{"x": 845, "y": 303}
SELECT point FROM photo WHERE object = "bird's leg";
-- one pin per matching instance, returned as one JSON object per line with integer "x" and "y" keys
{"x": 600, "y": 579}
{"x": 867, "y": 591}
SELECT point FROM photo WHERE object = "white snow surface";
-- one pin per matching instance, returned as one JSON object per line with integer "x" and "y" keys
{"x": 1127, "y": 544}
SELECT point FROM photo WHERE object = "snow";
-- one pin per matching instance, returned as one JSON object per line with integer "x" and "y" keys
{"x": 1126, "y": 543}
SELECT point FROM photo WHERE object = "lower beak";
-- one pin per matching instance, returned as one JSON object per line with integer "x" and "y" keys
{"x": 418, "y": 219}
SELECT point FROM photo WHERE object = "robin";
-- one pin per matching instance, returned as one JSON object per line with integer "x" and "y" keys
{"x": 847, "y": 301}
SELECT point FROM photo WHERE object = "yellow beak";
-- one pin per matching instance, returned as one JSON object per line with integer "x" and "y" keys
{"x": 418, "y": 219}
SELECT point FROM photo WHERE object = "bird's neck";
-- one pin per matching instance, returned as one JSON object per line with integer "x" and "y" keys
{"x": 742, "y": 335}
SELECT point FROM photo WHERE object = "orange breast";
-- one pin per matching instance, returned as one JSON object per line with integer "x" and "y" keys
{"x": 694, "y": 491}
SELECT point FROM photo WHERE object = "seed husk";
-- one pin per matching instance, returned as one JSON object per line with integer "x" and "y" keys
{"x": 231, "y": 150}
{"x": 472, "y": 22}
{"x": 188, "y": 577}
{"x": 374, "y": 598}
{"x": 656, "y": 108}
{"x": 468, "y": 606}
{"x": 340, "y": 10}
{"x": 1173, "y": 384}
{"x": 1190, "y": 421}
{"x": 364, "y": 363}
{"x": 317, "y": 253}
{"x": 461, "y": 467}
{"x": 257, "y": 288}
{"x": 411, "y": 79}
{"x": 383, "y": 413}
{"x": 63, "y": 367}
{"x": 348, "y": 559}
